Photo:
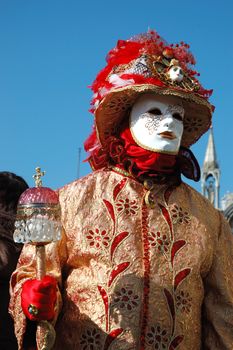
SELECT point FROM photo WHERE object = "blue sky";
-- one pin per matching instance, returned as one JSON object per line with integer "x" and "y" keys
{"x": 51, "y": 51}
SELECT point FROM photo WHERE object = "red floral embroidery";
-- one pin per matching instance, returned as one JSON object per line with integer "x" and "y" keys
{"x": 127, "y": 206}
{"x": 111, "y": 337}
{"x": 157, "y": 337}
{"x": 116, "y": 271}
{"x": 183, "y": 301}
{"x": 176, "y": 246}
{"x": 179, "y": 216}
{"x": 160, "y": 241}
{"x": 90, "y": 340}
{"x": 110, "y": 209}
{"x": 126, "y": 299}
{"x": 104, "y": 296}
{"x": 180, "y": 276}
{"x": 118, "y": 188}
{"x": 97, "y": 238}
{"x": 117, "y": 241}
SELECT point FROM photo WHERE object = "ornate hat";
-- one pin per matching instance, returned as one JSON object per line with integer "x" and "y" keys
{"x": 147, "y": 64}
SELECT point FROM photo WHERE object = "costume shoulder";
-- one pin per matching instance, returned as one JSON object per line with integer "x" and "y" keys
{"x": 202, "y": 205}
{"x": 88, "y": 187}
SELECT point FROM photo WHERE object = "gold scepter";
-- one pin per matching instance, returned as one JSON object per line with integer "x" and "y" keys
{"x": 38, "y": 223}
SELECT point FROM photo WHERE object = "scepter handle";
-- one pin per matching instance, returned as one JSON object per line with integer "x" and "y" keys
{"x": 45, "y": 333}
{"x": 40, "y": 261}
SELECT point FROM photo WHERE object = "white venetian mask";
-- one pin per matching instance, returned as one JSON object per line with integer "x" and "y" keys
{"x": 175, "y": 73}
{"x": 156, "y": 123}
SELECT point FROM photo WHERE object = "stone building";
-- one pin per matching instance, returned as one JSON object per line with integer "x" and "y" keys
{"x": 210, "y": 181}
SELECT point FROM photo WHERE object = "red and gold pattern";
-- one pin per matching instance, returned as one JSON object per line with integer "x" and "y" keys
{"x": 136, "y": 277}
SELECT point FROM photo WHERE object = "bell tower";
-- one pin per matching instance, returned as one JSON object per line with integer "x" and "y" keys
{"x": 210, "y": 179}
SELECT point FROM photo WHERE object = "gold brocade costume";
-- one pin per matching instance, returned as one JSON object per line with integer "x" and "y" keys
{"x": 133, "y": 277}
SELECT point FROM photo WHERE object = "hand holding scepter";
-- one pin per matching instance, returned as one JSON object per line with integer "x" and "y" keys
{"x": 38, "y": 223}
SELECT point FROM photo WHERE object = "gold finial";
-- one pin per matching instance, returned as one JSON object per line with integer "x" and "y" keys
{"x": 37, "y": 177}
{"x": 174, "y": 62}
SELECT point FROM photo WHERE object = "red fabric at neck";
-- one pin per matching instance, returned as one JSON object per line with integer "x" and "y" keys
{"x": 146, "y": 160}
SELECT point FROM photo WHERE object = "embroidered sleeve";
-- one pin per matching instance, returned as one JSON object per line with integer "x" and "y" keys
{"x": 26, "y": 269}
{"x": 218, "y": 303}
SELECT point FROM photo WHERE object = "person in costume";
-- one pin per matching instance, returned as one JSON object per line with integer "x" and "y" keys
{"x": 11, "y": 187}
{"x": 145, "y": 261}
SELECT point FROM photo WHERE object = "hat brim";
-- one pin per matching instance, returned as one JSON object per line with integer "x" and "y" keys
{"x": 116, "y": 104}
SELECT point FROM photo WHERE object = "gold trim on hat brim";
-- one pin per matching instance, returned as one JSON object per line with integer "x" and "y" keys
{"x": 117, "y": 103}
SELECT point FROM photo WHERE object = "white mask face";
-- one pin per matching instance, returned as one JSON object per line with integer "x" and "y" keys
{"x": 156, "y": 123}
{"x": 175, "y": 73}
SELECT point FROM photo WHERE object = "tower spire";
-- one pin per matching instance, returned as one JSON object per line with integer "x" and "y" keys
{"x": 210, "y": 161}
{"x": 210, "y": 180}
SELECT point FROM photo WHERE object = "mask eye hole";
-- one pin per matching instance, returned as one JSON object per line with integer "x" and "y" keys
{"x": 177, "y": 116}
{"x": 156, "y": 111}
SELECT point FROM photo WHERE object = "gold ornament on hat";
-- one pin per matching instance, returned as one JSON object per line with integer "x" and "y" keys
{"x": 163, "y": 65}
